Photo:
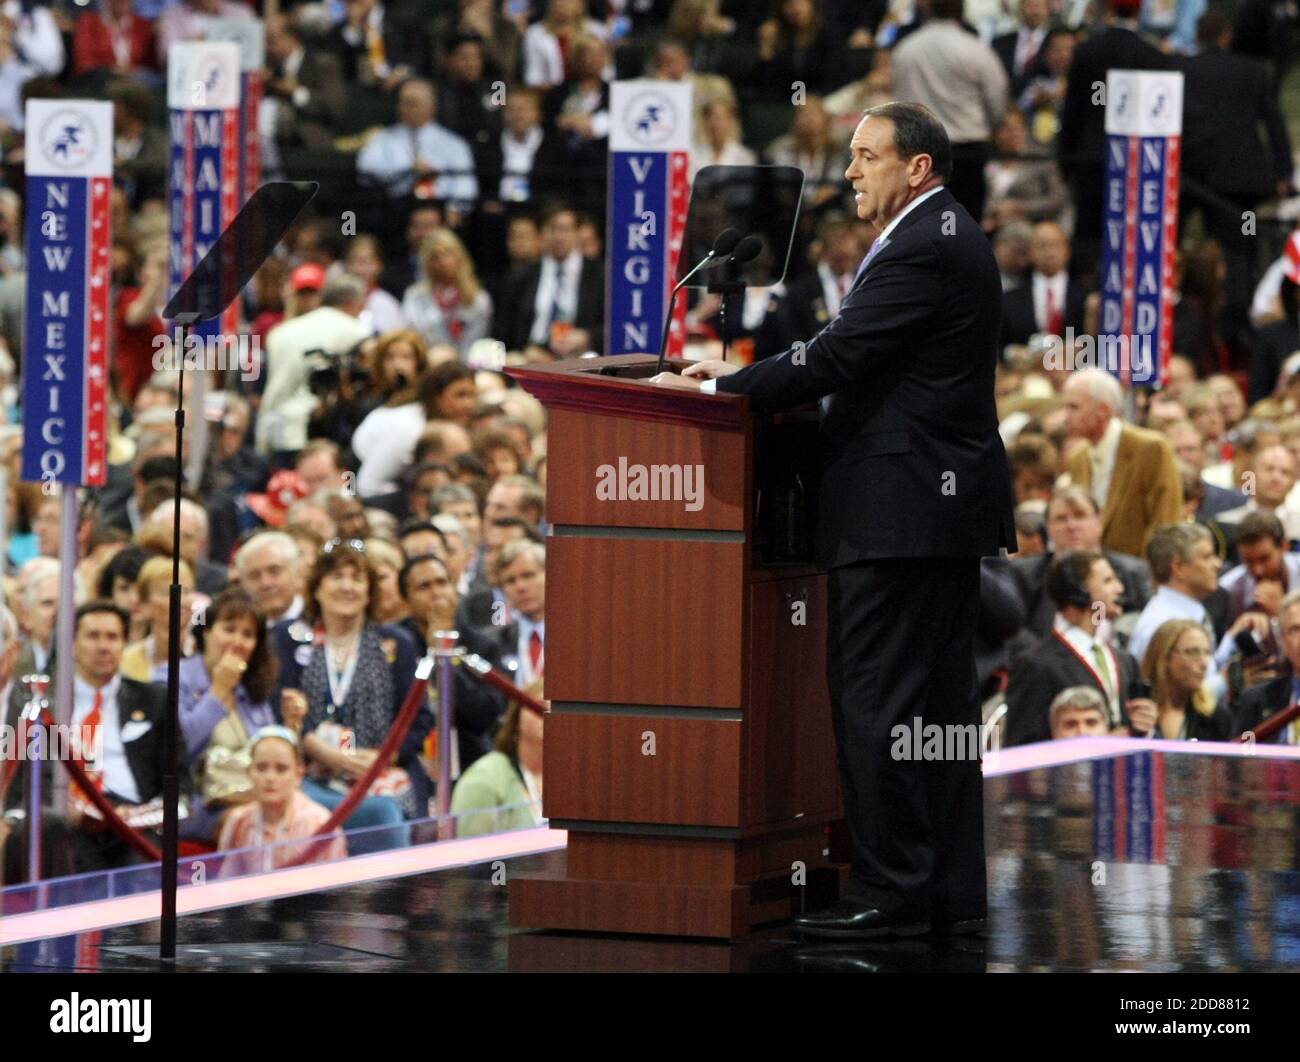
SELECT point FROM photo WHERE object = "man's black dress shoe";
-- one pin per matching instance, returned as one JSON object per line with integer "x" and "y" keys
{"x": 855, "y": 920}
{"x": 960, "y": 927}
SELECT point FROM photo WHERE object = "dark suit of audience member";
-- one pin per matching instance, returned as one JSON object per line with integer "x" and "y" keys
{"x": 1001, "y": 616}
{"x": 518, "y": 316}
{"x": 1019, "y": 320}
{"x": 405, "y": 44}
{"x": 1049, "y": 667}
{"x": 310, "y": 119}
{"x": 141, "y": 707}
{"x": 1020, "y": 64}
{"x": 1260, "y": 702}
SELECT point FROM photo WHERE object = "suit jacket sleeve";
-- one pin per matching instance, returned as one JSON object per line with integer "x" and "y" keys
{"x": 881, "y": 320}
{"x": 1030, "y": 690}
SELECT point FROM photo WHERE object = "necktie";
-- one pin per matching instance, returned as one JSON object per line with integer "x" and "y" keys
{"x": 90, "y": 739}
{"x": 424, "y": 186}
{"x": 535, "y": 652}
{"x": 1099, "y": 655}
{"x": 375, "y": 49}
{"x": 1054, "y": 315}
{"x": 1030, "y": 51}
{"x": 875, "y": 249}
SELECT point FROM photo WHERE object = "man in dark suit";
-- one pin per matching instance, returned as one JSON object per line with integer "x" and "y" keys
{"x": 1081, "y": 143}
{"x": 307, "y": 87}
{"x": 1072, "y": 655}
{"x": 1019, "y": 50}
{"x": 915, "y": 490}
{"x": 1227, "y": 97}
{"x": 378, "y": 46}
{"x": 559, "y": 302}
{"x": 1049, "y": 301}
{"x": 127, "y": 717}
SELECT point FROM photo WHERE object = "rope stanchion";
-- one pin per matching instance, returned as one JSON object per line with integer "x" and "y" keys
{"x": 485, "y": 672}
{"x": 1271, "y": 725}
{"x": 396, "y": 735}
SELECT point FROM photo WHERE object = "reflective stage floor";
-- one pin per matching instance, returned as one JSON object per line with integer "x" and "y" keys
{"x": 1149, "y": 861}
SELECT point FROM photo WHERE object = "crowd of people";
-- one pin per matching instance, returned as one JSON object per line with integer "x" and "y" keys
{"x": 377, "y": 477}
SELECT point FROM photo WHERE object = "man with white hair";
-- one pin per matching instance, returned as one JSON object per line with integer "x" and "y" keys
{"x": 270, "y": 568}
{"x": 1130, "y": 472}
{"x": 36, "y": 602}
{"x": 209, "y": 578}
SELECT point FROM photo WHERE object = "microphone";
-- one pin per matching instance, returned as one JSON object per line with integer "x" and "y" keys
{"x": 727, "y": 242}
{"x": 747, "y": 250}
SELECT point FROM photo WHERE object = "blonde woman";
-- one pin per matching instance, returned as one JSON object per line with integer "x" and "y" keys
{"x": 153, "y": 584}
{"x": 719, "y": 143}
{"x": 1176, "y": 664}
{"x": 449, "y": 305}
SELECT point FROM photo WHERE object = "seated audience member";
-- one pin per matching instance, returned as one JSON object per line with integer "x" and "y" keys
{"x": 448, "y": 305}
{"x": 1189, "y": 447}
{"x": 209, "y": 577}
{"x": 1074, "y": 522}
{"x": 278, "y": 811}
{"x": 419, "y": 157}
{"x": 421, "y": 538}
{"x": 1267, "y": 572}
{"x": 1034, "y": 467}
{"x": 432, "y": 601}
{"x": 153, "y": 585}
{"x": 1031, "y": 531}
{"x": 126, "y": 718}
{"x": 1266, "y": 699}
{"x": 113, "y": 40}
{"x": 1049, "y": 302}
{"x": 270, "y": 566}
{"x": 354, "y": 674}
{"x": 387, "y": 561}
{"x": 1073, "y": 655}
{"x": 1078, "y": 711}
{"x": 521, "y": 643}
{"x": 503, "y": 790}
{"x": 225, "y": 696}
{"x": 1186, "y": 568}
{"x": 1179, "y": 657}
{"x": 1274, "y": 476}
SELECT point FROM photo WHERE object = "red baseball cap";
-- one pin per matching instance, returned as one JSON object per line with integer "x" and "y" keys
{"x": 309, "y": 277}
{"x": 284, "y": 488}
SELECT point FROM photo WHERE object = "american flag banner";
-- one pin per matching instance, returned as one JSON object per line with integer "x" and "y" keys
{"x": 69, "y": 166}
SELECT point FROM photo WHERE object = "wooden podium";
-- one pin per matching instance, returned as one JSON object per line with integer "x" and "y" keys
{"x": 689, "y": 749}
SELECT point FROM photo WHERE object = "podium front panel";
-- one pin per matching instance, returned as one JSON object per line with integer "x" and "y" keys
{"x": 656, "y": 621}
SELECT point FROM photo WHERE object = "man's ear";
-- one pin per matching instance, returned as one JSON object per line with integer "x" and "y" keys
{"x": 921, "y": 167}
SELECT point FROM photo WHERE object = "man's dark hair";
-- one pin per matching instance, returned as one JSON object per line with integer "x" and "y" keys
{"x": 946, "y": 9}
{"x": 917, "y": 132}
{"x": 530, "y": 530}
{"x": 404, "y": 576}
{"x": 92, "y": 608}
{"x": 415, "y": 525}
{"x": 1067, "y": 577}
{"x": 1258, "y": 526}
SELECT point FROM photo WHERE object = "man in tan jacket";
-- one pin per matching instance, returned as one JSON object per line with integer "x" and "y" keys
{"x": 1131, "y": 472}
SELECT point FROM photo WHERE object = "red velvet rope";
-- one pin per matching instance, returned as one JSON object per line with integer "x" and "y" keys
{"x": 77, "y": 769}
{"x": 357, "y": 793}
{"x": 1273, "y": 724}
{"x": 498, "y": 681}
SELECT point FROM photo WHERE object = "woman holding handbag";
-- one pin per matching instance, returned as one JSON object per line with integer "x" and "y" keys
{"x": 225, "y": 697}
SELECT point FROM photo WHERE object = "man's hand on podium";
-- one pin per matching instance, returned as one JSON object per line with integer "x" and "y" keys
{"x": 690, "y": 377}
